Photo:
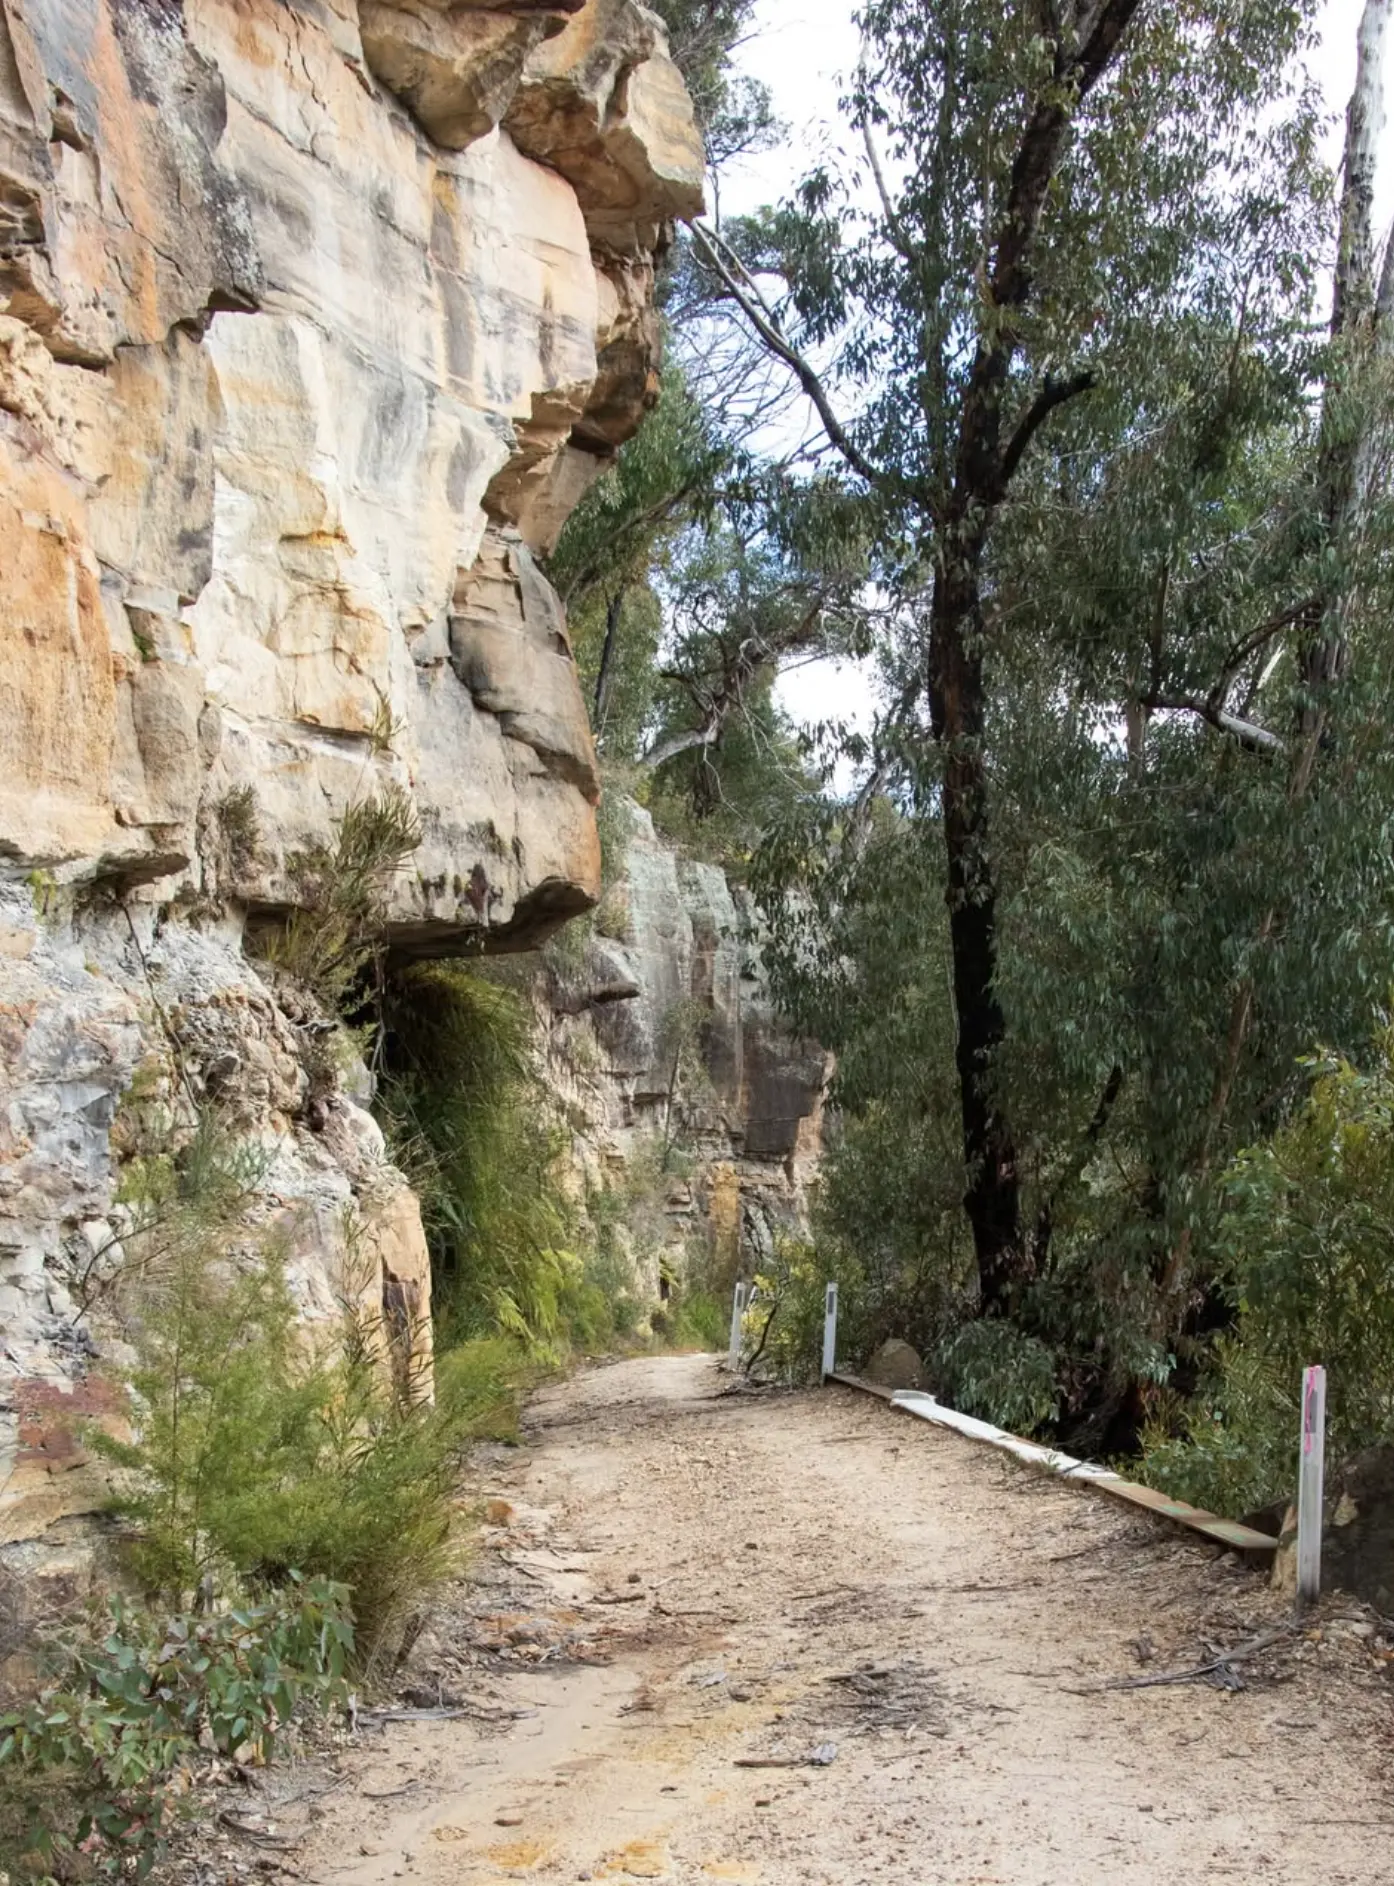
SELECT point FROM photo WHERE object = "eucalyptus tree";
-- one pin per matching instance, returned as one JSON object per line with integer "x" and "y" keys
{"x": 1064, "y": 288}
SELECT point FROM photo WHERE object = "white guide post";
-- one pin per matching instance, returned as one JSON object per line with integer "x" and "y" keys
{"x": 1310, "y": 1470}
{"x": 829, "y": 1332}
{"x": 733, "y": 1360}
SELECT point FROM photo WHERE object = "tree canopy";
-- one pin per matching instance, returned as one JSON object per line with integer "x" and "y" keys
{"x": 1097, "y": 349}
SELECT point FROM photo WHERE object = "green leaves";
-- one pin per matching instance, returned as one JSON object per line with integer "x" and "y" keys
{"x": 92, "y": 1766}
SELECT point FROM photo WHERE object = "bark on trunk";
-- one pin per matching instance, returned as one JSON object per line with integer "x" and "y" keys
{"x": 956, "y": 694}
{"x": 613, "y": 610}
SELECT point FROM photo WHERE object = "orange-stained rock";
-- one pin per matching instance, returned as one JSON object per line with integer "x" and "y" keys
{"x": 276, "y": 357}
{"x": 58, "y": 702}
{"x": 303, "y": 358}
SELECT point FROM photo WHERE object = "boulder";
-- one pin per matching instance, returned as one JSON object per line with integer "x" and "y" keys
{"x": 895, "y": 1365}
{"x": 1357, "y": 1551}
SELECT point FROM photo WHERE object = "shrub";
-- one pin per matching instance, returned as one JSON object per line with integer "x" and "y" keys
{"x": 334, "y": 932}
{"x": 783, "y": 1328}
{"x": 1307, "y": 1233}
{"x": 1233, "y": 1447}
{"x": 993, "y": 1370}
{"x": 255, "y": 1457}
{"x": 90, "y": 1770}
{"x": 695, "y": 1320}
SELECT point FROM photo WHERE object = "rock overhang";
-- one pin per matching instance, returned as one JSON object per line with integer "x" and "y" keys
{"x": 284, "y": 376}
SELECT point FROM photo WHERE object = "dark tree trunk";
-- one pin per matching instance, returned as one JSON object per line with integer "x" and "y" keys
{"x": 607, "y": 657}
{"x": 956, "y": 694}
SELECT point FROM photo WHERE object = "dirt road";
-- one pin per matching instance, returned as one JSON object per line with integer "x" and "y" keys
{"x": 690, "y": 1578}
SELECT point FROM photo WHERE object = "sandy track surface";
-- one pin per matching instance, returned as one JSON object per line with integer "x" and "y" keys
{"x": 691, "y": 1578}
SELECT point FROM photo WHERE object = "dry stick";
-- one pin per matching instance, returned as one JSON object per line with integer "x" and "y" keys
{"x": 446, "y": 1713}
{"x": 1225, "y": 1659}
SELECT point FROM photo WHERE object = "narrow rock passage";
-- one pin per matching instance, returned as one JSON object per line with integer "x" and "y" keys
{"x": 691, "y": 1578}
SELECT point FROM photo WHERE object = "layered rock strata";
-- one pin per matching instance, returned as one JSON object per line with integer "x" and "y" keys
{"x": 316, "y": 318}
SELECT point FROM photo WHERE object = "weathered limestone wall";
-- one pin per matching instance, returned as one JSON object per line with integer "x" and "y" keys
{"x": 316, "y": 318}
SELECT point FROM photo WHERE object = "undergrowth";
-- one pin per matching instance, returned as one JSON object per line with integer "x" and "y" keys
{"x": 259, "y": 1456}
{"x": 93, "y": 1770}
{"x": 468, "y": 1122}
{"x": 1307, "y": 1232}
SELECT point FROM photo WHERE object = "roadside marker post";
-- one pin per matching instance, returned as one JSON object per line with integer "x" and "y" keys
{"x": 829, "y": 1332}
{"x": 733, "y": 1360}
{"x": 1310, "y": 1474}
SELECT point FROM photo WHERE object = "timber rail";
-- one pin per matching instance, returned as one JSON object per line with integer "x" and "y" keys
{"x": 1225, "y": 1532}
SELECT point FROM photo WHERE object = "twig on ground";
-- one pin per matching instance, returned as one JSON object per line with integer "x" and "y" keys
{"x": 1217, "y": 1665}
{"x": 821, "y": 1757}
{"x": 259, "y": 1834}
{"x": 452, "y": 1712}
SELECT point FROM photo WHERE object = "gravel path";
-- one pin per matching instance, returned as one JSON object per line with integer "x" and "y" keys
{"x": 684, "y": 1580}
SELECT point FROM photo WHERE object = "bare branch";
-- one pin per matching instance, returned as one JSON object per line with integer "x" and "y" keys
{"x": 763, "y": 321}
{"x": 895, "y": 229}
{"x": 664, "y": 750}
{"x": 1256, "y": 739}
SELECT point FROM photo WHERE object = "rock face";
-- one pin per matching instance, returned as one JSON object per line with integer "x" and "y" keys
{"x": 661, "y": 1036}
{"x": 293, "y": 377}
{"x": 316, "y": 318}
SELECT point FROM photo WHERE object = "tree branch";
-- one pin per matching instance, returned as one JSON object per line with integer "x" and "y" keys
{"x": 1052, "y": 394}
{"x": 1038, "y": 155}
{"x": 894, "y": 227}
{"x": 763, "y": 321}
{"x": 604, "y": 558}
{"x": 979, "y": 475}
{"x": 1257, "y": 739}
{"x": 1251, "y": 643}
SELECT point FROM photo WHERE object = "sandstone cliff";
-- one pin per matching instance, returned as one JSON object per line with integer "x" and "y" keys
{"x": 316, "y": 317}
{"x": 680, "y": 1086}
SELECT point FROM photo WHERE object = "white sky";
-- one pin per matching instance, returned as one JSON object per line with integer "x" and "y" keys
{"x": 801, "y": 49}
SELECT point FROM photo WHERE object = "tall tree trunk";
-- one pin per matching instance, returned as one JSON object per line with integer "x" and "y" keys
{"x": 1084, "y": 40}
{"x": 956, "y": 696}
{"x": 613, "y": 610}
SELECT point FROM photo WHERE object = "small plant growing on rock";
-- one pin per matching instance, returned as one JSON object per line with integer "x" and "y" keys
{"x": 239, "y": 828}
{"x": 333, "y": 934}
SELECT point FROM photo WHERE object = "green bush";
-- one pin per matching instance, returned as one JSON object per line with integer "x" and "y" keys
{"x": 783, "y": 1328}
{"x": 90, "y": 1770}
{"x": 1233, "y": 1447}
{"x": 335, "y": 930}
{"x": 695, "y": 1320}
{"x": 1307, "y": 1233}
{"x": 255, "y": 1457}
{"x": 469, "y": 1122}
{"x": 992, "y": 1370}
